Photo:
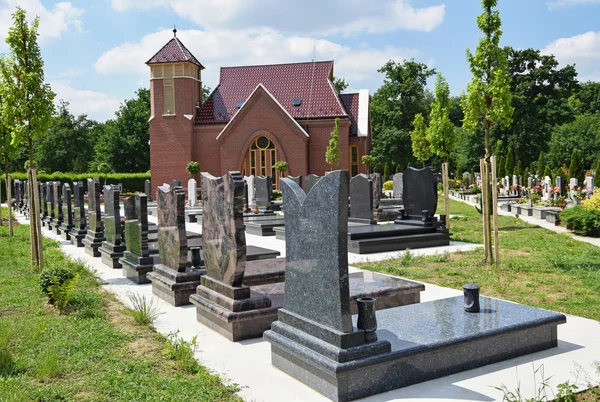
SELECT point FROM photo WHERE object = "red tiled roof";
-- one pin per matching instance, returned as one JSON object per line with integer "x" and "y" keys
{"x": 174, "y": 51}
{"x": 285, "y": 81}
{"x": 350, "y": 102}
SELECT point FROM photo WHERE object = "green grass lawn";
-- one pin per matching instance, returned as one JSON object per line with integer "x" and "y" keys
{"x": 93, "y": 350}
{"x": 538, "y": 267}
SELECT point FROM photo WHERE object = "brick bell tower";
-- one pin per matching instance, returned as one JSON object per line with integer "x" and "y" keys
{"x": 175, "y": 92}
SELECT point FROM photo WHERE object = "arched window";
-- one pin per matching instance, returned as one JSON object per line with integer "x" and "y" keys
{"x": 260, "y": 159}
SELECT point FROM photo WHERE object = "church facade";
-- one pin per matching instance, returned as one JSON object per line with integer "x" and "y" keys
{"x": 256, "y": 116}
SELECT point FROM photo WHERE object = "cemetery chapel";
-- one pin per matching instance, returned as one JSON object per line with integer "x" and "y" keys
{"x": 256, "y": 116}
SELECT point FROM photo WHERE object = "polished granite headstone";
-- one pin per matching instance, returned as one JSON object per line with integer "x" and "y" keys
{"x": 361, "y": 198}
{"x": 137, "y": 260}
{"x": 176, "y": 183}
{"x": 79, "y": 216}
{"x": 296, "y": 179}
{"x": 377, "y": 188}
{"x": 264, "y": 194}
{"x": 18, "y": 199}
{"x": 43, "y": 191}
{"x": 67, "y": 210}
{"x": 58, "y": 207}
{"x": 310, "y": 181}
{"x": 316, "y": 339}
{"x": 222, "y": 302}
{"x": 419, "y": 198}
{"x": 95, "y": 234}
{"x": 49, "y": 204}
{"x": 172, "y": 280}
{"x": 112, "y": 248}
{"x": 398, "y": 186}
{"x": 148, "y": 189}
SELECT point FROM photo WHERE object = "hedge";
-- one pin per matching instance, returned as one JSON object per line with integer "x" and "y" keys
{"x": 583, "y": 221}
{"x": 131, "y": 182}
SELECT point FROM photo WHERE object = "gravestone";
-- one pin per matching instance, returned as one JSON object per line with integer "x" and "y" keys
{"x": 296, "y": 179}
{"x": 67, "y": 210}
{"x": 192, "y": 192}
{"x": 546, "y": 187}
{"x": 58, "y": 207}
{"x": 420, "y": 194}
{"x": 148, "y": 189}
{"x": 529, "y": 182}
{"x": 18, "y": 199}
{"x": 43, "y": 191}
{"x": 172, "y": 280}
{"x": 398, "y": 185}
{"x": 176, "y": 183}
{"x": 112, "y": 248}
{"x": 250, "y": 186}
{"x": 589, "y": 185}
{"x": 137, "y": 260}
{"x": 361, "y": 198}
{"x": 559, "y": 184}
{"x": 50, "y": 204}
{"x": 264, "y": 191}
{"x": 222, "y": 302}
{"x": 95, "y": 234}
{"x": 377, "y": 188}
{"x": 310, "y": 181}
{"x": 79, "y": 216}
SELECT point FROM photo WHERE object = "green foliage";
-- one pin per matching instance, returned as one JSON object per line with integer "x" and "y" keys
{"x": 420, "y": 144}
{"x": 597, "y": 173}
{"x": 500, "y": 167}
{"x": 525, "y": 176}
{"x": 281, "y": 167}
{"x": 488, "y": 100}
{"x": 547, "y": 172}
{"x": 519, "y": 172}
{"x": 541, "y": 163}
{"x": 183, "y": 352}
{"x": 332, "y": 154}
{"x": 7, "y": 363}
{"x": 388, "y": 185}
{"x": 68, "y": 145}
{"x": 582, "y": 133}
{"x": 143, "y": 310}
{"x": 406, "y": 258}
{"x": 368, "y": 160}
{"x": 386, "y": 172}
{"x": 593, "y": 202}
{"x": 509, "y": 165}
{"x": 394, "y": 106}
{"x": 398, "y": 169}
{"x": 193, "y": 167}
{"x": 123, "y": 143}
{"x": 583, "y": 221}
{"x": 132, "y": 182}
{"x": 277, "y": 195}
{"x": 60, "y": 293}
{"x": 55, "y": 275}
{"x": 440, "y": 134}
{"x": 588, "y": 95}
{"x": 340, "y": 84}
{"x": 567, "y": 392}
{"x": 576, "y": 168}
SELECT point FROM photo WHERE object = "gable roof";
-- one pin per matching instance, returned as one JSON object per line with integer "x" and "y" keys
{"x": 174, "y": 51}
{"x": 350, "y": 102}
{"x": 308, "y": 81}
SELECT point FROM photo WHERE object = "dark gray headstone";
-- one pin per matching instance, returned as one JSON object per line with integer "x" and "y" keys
{"x": 296, "y": 179}
{"x": 316, "y": 277}
{"x": 172, "y": 238}
{"x": 42, "y": 188}
{"x": 80, "y": 221}
{"x": 559, "y": 184}
{"x": 58, "y": 202}
{"x": 398, "y": 185}
{"x": 223, "y": 235}
{"x": 67, "y": 207}
{"x": 310, "y": 181}
{"x": 264, "y": 191}
{"x": 176, "y": 183}
{"x": 361, "y": 197}
{"x": 377, "y": 188}
{"x": 50, "y": 198}
{"x": 17, "y": 185}
{"x": 148, "y": 189}
{"x": 94, "y": 213}
{"x": 136, "y": 224}
{"x": 420, "y": 192}
{"x": 112, "y": 215}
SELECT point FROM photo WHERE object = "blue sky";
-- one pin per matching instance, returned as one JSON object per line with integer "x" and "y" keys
{"x": 95, "y": 50}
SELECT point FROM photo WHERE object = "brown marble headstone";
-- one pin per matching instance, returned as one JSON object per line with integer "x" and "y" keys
{"x": 223, "y": 236}
{"x": 172, "y": 238}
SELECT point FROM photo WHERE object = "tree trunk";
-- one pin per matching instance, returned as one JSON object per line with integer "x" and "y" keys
{"x": 9, "y": 202}
{"x": 445, "y": 181}
{"x": 1, "y": 208}
{"x": 495, "y": 209}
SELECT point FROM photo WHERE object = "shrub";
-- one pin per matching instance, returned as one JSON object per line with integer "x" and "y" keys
{"x": 7, "y": 363}
{"x": 593, "y": 202}
{"x": 193, "y": 168}
{"x": 277, "y": 195}
{"x": 52, "y": 276}
{"x": 61, "y": 293}
{"x": 144, "y": 311}
{"x": 388, "y": 185}
{"x": 183, "y": 352}
{"x": 583, "y": 221}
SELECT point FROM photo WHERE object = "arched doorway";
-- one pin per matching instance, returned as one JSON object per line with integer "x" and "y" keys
{"x": 262, "y": 155}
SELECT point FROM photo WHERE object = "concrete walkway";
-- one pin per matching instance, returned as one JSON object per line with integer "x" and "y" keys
{"x": 544, "y": 224}
{"x": 248, "y": 363}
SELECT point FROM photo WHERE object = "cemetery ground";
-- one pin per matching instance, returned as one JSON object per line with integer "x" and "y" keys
{"x": 93, "y": 350}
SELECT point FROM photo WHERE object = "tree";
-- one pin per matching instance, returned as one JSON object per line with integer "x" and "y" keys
{"x": 340, "y": 84}
{"x": 488, "y": 99}
{"x": 332, "y": 154}
{"x": 394, "y": 106}
{"x": 69, "y": 144}
{"x": 8, "y": 150}
{"x": 368, "y": 161}
{"x": 281, "y": 167}
{"x": 509, "y": 164}
{"x": 547, "y": 172}
{"x": 582, "y": 133}
{"x": 440, "y": 133}
{"x": 420, "y": 145}
{"x": 576, "y": 168}
{"x": 541, "y": 163}
{"x": 205, "y": 92}
{"x": 588, "y": 95}
{"x": 597, "y": 173}
{"x": 193, "y": 168}
{"x": 519, "y": 172}
{"x": 123, "y": 144}
{"x": 500, "y": 163}
{"x": 27, "y": 105}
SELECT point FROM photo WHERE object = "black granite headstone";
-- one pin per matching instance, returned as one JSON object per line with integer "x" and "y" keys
{"x": 296, "y": 179}
{"x": 420, "y": 192}
{"x": 361, "y": 197}
{"x": 398, "y": 185}
{"x": 112, "y": 248}
{"x": 79, "y": 216}
{"x": 58, "y": 202}
{"x": 310, "y": 181}
{"x": 148, "y": 189}
{"x": 95, "y": 234}
{"x": 67, "y": 210}
{"x": 136, "y": 261}
{"x": 264, "y": 191}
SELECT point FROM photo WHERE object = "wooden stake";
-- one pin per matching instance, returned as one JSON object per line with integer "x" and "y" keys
{"x": 9, "y": 202}
{"x": 495, "y": 209}
{"x": 445, "y": 181}
{"x": 484, "y": 210}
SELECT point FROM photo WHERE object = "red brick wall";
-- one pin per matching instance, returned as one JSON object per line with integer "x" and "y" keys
{"x": 320, "y": 133}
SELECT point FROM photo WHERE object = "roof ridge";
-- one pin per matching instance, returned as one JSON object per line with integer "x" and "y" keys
{"x": 278, "y": 64}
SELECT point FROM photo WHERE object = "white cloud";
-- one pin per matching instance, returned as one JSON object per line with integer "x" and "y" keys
{"x": 233, "y": 48}
{"x": 53, "y": 22}
{"x": 292, "y": 16}
{"x": 582, "y": 50}
{"x": 552, "y": 5}
{"x": 96, "y": 105}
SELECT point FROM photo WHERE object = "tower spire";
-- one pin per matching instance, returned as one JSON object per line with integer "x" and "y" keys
{"x": 174, "y": 31}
